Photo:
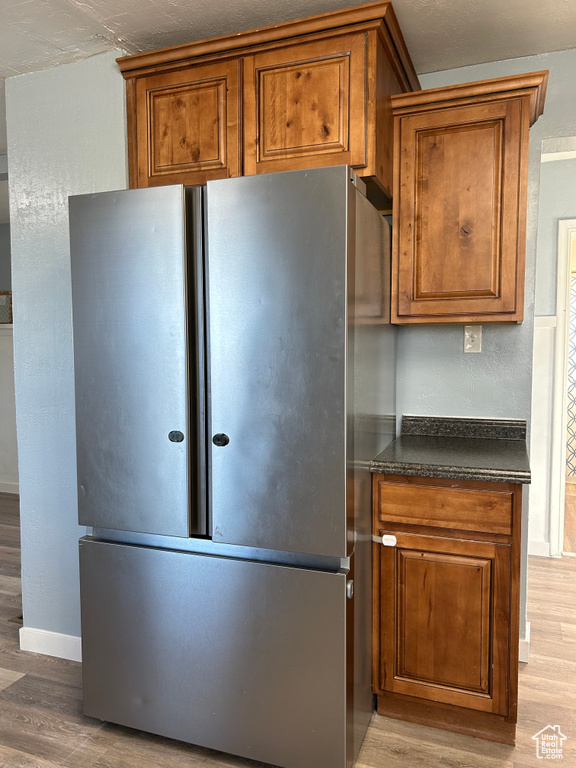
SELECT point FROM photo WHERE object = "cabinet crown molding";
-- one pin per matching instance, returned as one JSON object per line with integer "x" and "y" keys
{"x": 242, "y": 42}
{"x": 532, "y": 83}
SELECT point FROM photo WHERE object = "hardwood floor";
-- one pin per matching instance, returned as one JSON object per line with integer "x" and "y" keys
{"x": 42, "y": 726}
{"x": 570, "y": 519}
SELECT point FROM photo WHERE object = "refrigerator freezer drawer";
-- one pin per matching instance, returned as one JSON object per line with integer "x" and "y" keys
{"x": 239, "y": 656}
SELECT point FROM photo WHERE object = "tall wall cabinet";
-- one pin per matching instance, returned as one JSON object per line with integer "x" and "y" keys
{"x": 301, "y": 94}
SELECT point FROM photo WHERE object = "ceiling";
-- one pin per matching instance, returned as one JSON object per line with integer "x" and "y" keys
{"x": 441, "y": 34}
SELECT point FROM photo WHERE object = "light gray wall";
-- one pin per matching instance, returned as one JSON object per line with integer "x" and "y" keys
{"x": 557, "y": 201}
{"x": 434, "y": 374}
{"x": 5, "y": 279}
{"x": 66, "y": 129}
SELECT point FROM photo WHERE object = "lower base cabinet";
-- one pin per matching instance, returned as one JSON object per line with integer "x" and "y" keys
{"x": 446, "y": 590}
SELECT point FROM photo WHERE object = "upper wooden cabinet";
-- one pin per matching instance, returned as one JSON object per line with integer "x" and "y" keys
{"x": 188, "y": 123}
{"x": 460, "y": 182}
{"x": 299, "y": 102}
{"x": 302, "y": 94}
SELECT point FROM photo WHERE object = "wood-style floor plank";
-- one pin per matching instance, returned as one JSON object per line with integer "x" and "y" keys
{"x": 7, "y": 677}
{"x": 570, "y": 519}
{"x": 12, "y": 758}
{"x": 42, "y": 725}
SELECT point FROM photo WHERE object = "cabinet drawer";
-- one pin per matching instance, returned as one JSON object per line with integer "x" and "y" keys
{"x": 465, "y": 509}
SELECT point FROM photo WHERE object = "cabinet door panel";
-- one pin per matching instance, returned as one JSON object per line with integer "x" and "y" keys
{"x": 440, "y": 597}
{"x": 444, "y": 621}
{"x": 459, "y": 250}
{"x": 298, "y": 103}
{"x": 187, "y": 125}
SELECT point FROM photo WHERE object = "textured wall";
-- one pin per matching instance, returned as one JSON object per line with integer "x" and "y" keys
{"x": 434, "y": 374}
{"x": 5, "y": 279}
{"x": 66, "y": 136}
{"x": 557, "y": 201}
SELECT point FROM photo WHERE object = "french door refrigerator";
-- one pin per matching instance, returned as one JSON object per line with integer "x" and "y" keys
{"x": 234, "y": 375}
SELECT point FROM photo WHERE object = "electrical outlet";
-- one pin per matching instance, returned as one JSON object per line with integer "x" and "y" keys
{"x": 472, "y": 338}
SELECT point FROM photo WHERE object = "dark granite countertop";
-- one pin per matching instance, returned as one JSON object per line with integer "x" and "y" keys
{"x": 433, "y": 453}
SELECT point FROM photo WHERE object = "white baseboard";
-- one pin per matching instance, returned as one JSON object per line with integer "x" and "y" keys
{"x": 9, "y": 488}
{"x": 524, "y": 648}
{"x": 539, "y": 548}
{"x": 51, "y": 643}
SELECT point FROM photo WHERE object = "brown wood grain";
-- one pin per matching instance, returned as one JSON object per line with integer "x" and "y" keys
{"x": 466, "y": 509}
{"x": 304, "y": 106}
{"x": 533, "y": 84}
{"x": 386, "y": 83}
{"x": 442, "y": 636}
{"x": 446, "y": 717}
{"x": 315, "y": 92}
{"x": 570, "y": 518}
{"x": 447, "y": 606}
{"x": 460, "y": 185}
{"x": 187, "y": 125}
{"x": 377, "y": 636}
{"x": 132, "y": 133}
{"x": 514, "y": 609}
{"x": 459, "y": 252}
{"x": 442, "y": 597}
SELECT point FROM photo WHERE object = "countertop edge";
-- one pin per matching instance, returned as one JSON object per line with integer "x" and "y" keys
{"x": 451, "y": 473}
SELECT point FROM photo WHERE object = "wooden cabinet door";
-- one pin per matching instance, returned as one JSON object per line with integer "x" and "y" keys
{"x": 187, "y": 125}
{"x": 444, "y": 621}
{"x": 304, "y": 105}
{"x": 460, "y": 199}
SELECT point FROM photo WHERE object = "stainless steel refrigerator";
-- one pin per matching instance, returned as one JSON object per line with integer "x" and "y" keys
{"x": 234, "y": 375}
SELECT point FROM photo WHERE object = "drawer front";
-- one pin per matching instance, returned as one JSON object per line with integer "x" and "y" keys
{"x": 467, "y": 509}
